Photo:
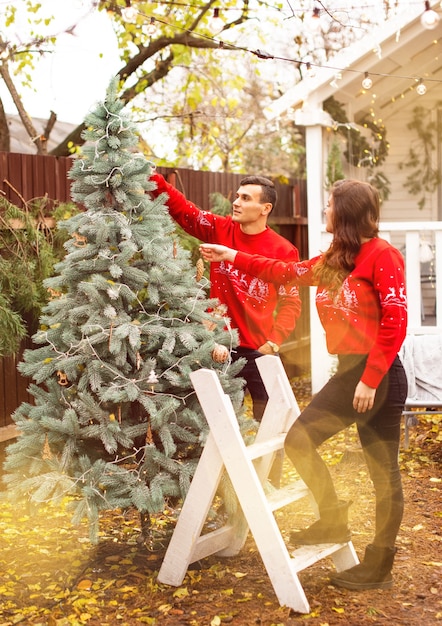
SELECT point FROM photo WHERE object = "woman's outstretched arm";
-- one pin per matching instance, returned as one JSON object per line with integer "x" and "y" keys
{"x": 215, "y": 252}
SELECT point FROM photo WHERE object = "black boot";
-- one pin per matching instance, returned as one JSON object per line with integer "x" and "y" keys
{"x": 331, "y": 527}
{"x": 373, "y": 573}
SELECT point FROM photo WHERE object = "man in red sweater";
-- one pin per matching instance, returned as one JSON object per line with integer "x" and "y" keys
{"x": 263, "y": 313}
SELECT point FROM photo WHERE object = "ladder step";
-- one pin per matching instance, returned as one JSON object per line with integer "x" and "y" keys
{"x": 279, "y": 498}
{"x": 305, "y": 556}
{"x": 260, "y": 449}
{"x": 212, "y": 542}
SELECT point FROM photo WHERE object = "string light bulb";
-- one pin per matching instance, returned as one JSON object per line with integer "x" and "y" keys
{"x": 429, "y": 18}
{"x": 421, "y": 89}
{"x": 310, "y": 71}
{"x": 129, "y": 12}
{"x": 367, "y": 83}
{"x": 216, "y": 23}
{"x": 314, "y": 23}
{"x": 151, "y": 28}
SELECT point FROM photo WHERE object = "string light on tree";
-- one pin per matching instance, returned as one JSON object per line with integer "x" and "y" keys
{"x": 151, "y": 28}
{"x": 310, "y": 71}
{"x": 317, "y": 22}
{"x": 429, "y": 19}
{"x": 314, "y": 22}
{"x": 129, "y": 12}
{"x": 216, "y": 23}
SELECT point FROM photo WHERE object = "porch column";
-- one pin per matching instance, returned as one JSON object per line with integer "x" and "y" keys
{"x": 314, "y": 119}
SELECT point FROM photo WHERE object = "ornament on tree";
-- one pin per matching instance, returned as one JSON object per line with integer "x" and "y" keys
{"x": 46, "y": 454}
{"x": 220, "y": 353}
{"x": 149, "y": 436}
{"x": 218, "y": 313}
{"x": 62, "y": 378}
{"x": 80, "y": 240}
{"x": 152, "y": 380}
{"x": 199, "y": 270}
{"x": 53, "y": 293}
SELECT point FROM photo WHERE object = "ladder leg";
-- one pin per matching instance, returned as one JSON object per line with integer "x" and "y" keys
{"x": 193, "y": 514}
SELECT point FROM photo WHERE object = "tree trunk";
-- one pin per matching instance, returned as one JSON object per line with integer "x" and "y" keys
{"x": 5, "y": 136}
{"x": 36, "y": 139}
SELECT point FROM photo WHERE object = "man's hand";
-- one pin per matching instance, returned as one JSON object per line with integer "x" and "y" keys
{"x": 266, "y": 349}
{"x": 363, "y": 398}
{"x": 216, "y": 252}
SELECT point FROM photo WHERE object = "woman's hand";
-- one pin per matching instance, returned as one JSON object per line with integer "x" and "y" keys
{"x": 363, "y": 399}
{"x": 216, "y": 252}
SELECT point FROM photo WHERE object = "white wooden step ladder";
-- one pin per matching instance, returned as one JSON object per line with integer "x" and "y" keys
{"x": 248, "y": 468}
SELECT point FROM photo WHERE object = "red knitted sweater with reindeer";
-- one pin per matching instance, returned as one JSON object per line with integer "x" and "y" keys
{"x": 367, "y": 316}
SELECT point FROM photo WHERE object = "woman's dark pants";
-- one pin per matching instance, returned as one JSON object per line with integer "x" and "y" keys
{"x": 331, "y": 411}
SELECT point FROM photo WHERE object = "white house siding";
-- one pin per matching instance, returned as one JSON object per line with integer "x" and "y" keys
{"x": 401, "y": 205}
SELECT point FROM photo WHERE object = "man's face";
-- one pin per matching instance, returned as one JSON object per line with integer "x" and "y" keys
{"x": 247, "y": 207}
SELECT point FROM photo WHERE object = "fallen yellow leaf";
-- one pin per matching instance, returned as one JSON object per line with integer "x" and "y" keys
{"x": 417, "y": 527}
{"x": 182, "y": 592}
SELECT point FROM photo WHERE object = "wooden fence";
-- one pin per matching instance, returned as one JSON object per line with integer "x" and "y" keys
{"x": 27, "y": 176}
{"x": 24, "y": 177}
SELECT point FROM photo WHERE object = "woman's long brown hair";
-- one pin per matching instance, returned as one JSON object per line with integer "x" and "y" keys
{"x": 355, "y": 217}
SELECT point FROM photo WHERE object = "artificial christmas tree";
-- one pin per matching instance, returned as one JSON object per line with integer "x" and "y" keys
{"x": 116, "y": 422}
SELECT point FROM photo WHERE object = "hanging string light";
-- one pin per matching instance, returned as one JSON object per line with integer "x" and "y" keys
{"x": 151, "y": 28}
{"x": 309, "y": 66}
{"x": 216, "y": 23}
{"x": 310, "y": 70}
{"x": 421, "y": 89}
{"x": 429, "y": 19}
{"x": 314, "y": 22}
{"x": 367, "y": 83}
{"x": 129, "y": 12}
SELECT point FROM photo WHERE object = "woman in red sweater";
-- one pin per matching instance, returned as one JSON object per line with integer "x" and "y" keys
{"x": 362, "y": 305}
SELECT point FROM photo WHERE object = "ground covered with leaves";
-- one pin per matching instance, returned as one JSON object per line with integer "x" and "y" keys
{"x": 50, "y": 575}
